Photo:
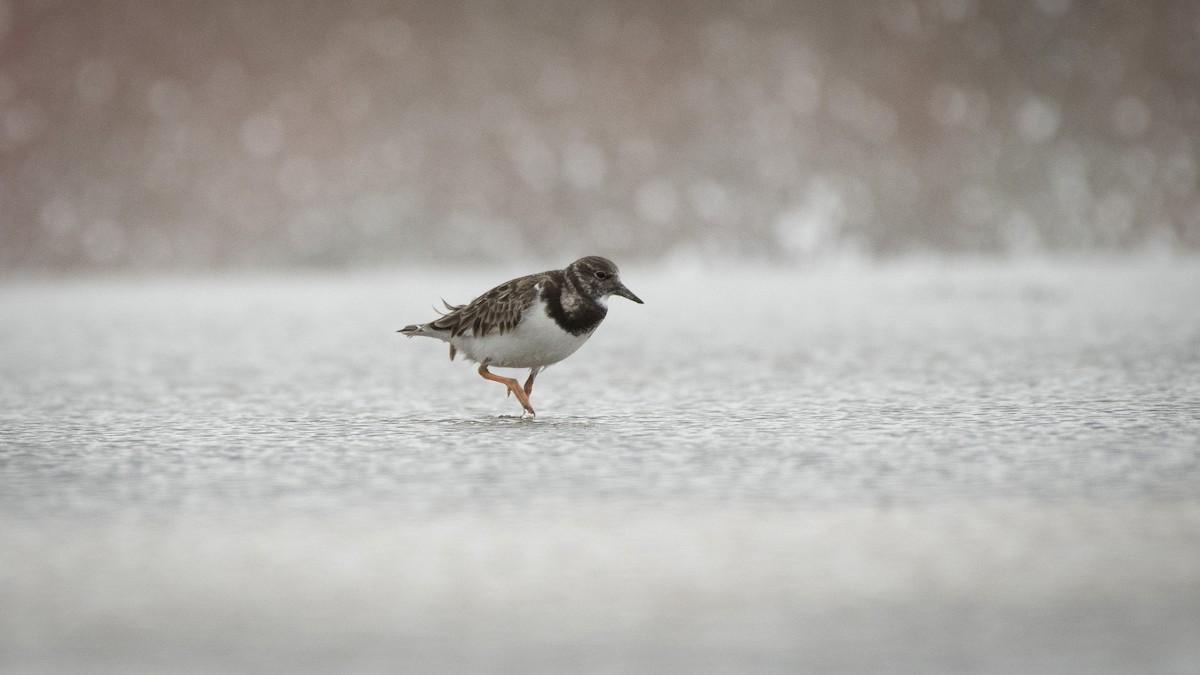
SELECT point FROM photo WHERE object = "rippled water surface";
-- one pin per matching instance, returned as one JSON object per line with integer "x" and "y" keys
{"x": 909, "y": 468}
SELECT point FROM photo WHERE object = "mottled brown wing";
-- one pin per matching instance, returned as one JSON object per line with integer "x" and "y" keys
{"x": 497, "y": 310}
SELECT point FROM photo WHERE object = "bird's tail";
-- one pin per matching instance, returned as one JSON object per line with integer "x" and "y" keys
{"x": 424, "y": 328}
{"x": 415, "y": 330}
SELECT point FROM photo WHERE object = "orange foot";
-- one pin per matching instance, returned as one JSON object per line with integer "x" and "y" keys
{"x": 514, "y": 387}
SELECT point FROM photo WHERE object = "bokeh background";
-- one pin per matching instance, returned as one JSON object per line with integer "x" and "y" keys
{"x": 935, "y": 412}
{"x": 151, "y": 134}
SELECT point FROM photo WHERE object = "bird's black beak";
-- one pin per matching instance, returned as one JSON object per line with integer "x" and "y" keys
{"x": 626, "y": 293}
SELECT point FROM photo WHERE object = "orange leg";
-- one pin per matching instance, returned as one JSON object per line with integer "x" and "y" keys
{"x": 529, "y": 383}
{"x": 514, "y": 387}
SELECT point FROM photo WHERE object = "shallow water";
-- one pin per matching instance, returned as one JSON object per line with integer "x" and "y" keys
{"x": 908, "y": 468}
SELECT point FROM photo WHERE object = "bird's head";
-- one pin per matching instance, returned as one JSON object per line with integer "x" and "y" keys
{"x": 598, "y": 278}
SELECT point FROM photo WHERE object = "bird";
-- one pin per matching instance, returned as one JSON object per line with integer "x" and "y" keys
{"x": 530, "y": 322}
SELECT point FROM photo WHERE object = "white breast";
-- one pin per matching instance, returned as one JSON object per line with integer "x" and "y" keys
{"x": 535, "y": 342}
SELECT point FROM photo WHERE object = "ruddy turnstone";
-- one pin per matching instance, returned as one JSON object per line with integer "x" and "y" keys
{"x": 530, "y": 322}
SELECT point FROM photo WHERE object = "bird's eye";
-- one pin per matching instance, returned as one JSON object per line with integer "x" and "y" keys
{"x": 601, "y": 275}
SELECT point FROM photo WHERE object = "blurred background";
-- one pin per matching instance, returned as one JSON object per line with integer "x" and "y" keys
{"x": 976, "y": 452}
{"x": 138, "y": 134}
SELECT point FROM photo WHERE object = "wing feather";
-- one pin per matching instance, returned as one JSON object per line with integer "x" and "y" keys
{"x": 497, "y": 310}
